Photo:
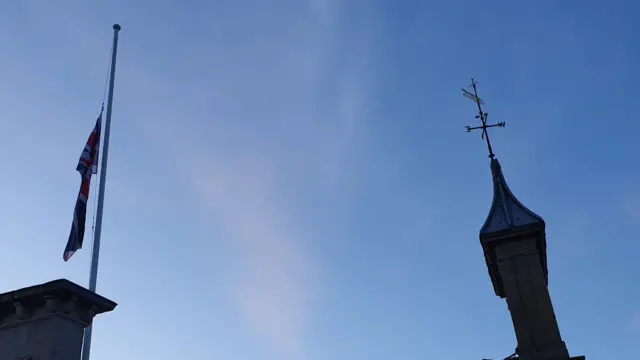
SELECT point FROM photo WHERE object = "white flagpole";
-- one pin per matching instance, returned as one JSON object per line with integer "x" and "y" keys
{"x": 86, "y": 346}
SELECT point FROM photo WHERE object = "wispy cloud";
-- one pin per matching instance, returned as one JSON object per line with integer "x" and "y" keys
{"x": 274, "y": 275}
{"x": 246, "y": 192}
{"x": 241, "y": 172}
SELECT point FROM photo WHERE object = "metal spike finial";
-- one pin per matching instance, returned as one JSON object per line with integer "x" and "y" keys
{"x": 481, "y": 115}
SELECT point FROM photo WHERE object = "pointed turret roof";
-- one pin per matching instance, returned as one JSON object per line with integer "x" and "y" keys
{"x": 509, "y": 220}
{"x": 506, "y": 211}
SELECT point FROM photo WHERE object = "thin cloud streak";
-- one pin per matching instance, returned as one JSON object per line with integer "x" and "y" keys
{"x": 239, "y": 179}
{"x": 274, "y": 275}
{"x": 276, "y": 278}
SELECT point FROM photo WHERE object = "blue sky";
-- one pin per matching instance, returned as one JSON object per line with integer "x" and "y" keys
{"x": 291, "y": 180}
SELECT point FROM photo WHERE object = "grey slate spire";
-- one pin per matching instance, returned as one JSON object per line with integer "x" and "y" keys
{"x": 506, "y": 211}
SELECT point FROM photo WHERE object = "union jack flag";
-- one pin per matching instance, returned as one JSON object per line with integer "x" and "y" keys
{"x": 87, "y": 166}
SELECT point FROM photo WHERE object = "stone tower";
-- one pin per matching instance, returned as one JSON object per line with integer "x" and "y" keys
{"x": 515, "y": 248}
{"x": 47, "y": 321}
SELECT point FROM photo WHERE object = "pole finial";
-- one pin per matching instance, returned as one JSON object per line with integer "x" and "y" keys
{"x": 116, "y": 27}
{"x": 481, "y": 115}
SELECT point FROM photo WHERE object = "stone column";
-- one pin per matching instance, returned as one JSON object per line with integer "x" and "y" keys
{"x": 529, "y": 302}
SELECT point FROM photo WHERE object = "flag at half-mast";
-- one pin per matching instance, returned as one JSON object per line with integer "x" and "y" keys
{"x": 87, "y": 166}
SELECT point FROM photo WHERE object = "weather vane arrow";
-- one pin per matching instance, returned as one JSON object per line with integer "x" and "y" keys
{"x": 481, "y": 115}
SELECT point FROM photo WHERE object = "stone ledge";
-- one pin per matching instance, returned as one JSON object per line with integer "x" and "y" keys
{"x": 58, "y": 296}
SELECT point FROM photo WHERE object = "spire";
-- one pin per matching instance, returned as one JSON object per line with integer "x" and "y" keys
{"x": 506, "y": 211}
{"x": 509, "y": 220}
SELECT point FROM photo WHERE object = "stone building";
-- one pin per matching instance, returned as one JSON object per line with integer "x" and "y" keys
{"x": 47, "y": 321}
{"x": 515, "y": 248}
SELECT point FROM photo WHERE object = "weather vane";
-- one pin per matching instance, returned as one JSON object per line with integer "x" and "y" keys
{"x": 481, "y": 115}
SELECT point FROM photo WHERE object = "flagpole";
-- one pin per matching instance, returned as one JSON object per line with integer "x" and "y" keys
{"x": 86, "y": 346}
